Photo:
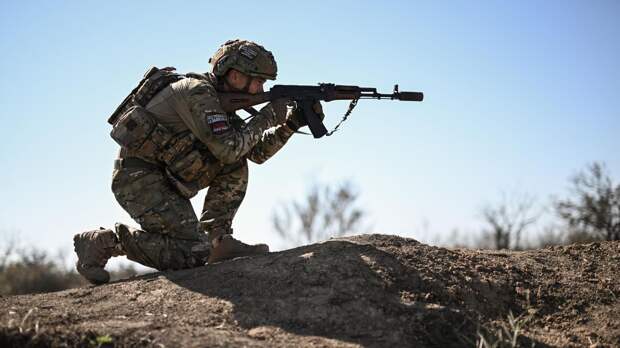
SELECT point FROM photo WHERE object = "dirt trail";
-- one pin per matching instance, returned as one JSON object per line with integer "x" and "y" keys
{"x": 370, "y": 290}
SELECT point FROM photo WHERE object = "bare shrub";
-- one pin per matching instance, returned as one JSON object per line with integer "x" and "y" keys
{"x": 507, "y": 221}
{"x": 593, "y": 211}
{"x": 124, "y": 271}
{"x": 324, "y": 212}
{"x": 550, "y": 235}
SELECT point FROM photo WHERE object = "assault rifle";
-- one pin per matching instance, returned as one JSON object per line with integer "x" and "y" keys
{"x": 306, "y": 96}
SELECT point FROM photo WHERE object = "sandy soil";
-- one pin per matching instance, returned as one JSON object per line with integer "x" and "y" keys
{"x": 370, "y": 290}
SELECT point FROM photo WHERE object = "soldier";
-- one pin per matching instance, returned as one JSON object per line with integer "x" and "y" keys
{"x": 176, "y": 140}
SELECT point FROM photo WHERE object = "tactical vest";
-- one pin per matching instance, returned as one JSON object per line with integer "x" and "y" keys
{"x": 188, "y": 163}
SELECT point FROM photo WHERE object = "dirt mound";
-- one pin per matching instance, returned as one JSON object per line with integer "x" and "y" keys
{"x": 371, "y": 290}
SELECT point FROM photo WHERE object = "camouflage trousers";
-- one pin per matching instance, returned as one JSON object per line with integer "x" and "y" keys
{"x": 172, "y": 237}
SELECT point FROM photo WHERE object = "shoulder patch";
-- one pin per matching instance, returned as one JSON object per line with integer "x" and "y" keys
{"x": 218, "y": 123}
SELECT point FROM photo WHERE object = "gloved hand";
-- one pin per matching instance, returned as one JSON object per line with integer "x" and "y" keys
{"x": 275, "y": 111}
{"x": 295, "y": 117}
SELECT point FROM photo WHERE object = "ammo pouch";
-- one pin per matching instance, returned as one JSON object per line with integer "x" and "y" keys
{"x": 189, "y": 162}
{"x": 190, "y": 166}
{"x": 138, "y": 132}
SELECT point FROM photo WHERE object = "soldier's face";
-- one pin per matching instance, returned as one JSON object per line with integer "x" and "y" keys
{"x": 256, "y": 85}
{"x": 241, "y": 82}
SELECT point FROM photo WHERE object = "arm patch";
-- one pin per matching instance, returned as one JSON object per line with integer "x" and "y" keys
{"x": 218, "y": 123}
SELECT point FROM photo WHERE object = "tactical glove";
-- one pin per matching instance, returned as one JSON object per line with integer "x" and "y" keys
{"x": 295, "y": 116}
{"x": 275, "y": 111}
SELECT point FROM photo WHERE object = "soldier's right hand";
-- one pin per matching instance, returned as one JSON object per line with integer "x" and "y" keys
{"x": 275, "y": 111}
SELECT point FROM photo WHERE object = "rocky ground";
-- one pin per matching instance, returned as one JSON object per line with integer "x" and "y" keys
{"x": 371, "y": 290}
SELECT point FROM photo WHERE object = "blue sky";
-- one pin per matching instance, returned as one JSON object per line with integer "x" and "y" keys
{"x": 518, "y": 96}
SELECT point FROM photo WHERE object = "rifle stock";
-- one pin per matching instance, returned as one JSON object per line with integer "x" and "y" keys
{"x": 232, "y": 102}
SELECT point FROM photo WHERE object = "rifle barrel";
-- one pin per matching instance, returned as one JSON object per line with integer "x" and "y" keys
{"x": 411, "y": 96}
{"x": 404, "y": 96}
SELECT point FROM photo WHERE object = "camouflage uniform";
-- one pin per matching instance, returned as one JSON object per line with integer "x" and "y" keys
{"x": 173, "y": 236}
{"x": 177, "y": 144}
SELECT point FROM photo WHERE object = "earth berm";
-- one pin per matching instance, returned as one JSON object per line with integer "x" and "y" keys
{"x": 369, "y": 290}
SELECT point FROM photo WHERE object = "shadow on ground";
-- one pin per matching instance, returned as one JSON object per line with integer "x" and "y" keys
{"x": 353, "y": 292}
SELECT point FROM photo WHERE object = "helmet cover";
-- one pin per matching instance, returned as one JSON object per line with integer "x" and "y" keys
{"x": 245, "y": 56}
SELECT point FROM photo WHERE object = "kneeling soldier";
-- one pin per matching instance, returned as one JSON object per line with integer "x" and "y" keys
{"x": 175, "y": 141}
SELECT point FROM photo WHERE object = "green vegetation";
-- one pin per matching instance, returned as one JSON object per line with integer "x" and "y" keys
{"x": 504, "y": 334}
{"x": 102, "y": 341}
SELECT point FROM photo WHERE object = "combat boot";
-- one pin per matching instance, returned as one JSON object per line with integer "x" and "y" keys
{"x": 226, "y": 247}
{"x": 94, "y": 249}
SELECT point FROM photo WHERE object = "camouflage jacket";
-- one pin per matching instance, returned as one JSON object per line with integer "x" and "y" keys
{"x": 195, "y": 139}
{"x": 192, "y": 104}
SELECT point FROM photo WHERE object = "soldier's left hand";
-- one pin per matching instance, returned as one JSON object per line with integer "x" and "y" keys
{"x": 276, "y": 111}
{"x": 295, "y": 118}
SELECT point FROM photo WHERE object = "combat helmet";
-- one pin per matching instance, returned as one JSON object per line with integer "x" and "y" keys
{"x": 245, "y": 56}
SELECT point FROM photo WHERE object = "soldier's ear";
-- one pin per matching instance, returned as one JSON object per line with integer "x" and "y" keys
{"x": 233, "y": 76}
{"x": 237, "y": 79}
